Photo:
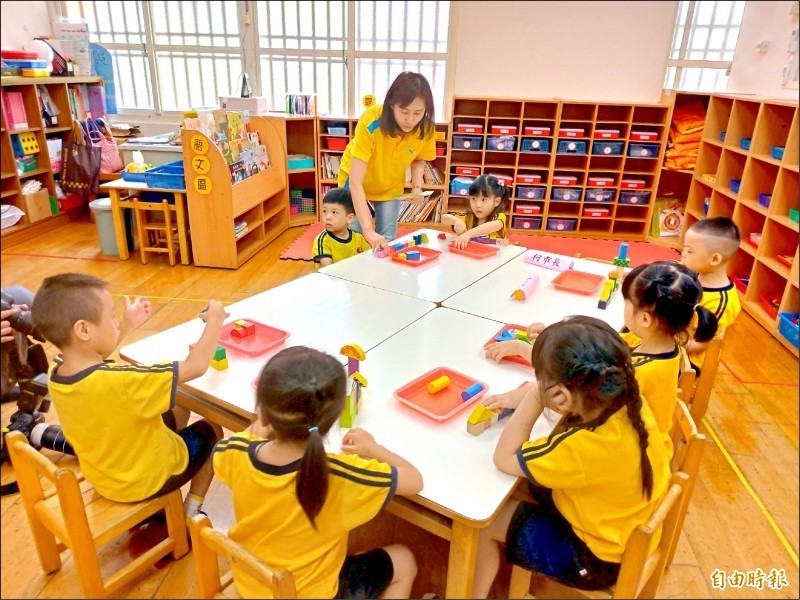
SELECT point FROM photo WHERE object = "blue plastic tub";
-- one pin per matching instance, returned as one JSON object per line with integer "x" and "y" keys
{"x": 133, "y": 177}
{"x": 600, "y": 194}
{"x": 643, "y": 150}
{"x": 530, "y": 192}
{"x": 535, "y": 145}
{"x": 789, "y": 330}
{"x": 777, "y": 152}
{"x": 566, "y": 194}
{"x": 607, "y": 148}
{"x": 467, "y": 142}
{"x": 169, "y": 176}
{"x": 501, "y": 143}
{"x": 571, "y": 147}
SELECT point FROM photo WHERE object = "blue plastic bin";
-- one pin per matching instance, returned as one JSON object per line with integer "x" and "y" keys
{"x": 600, "y": 195}
{"x": 607, "y": 148}
{"x": 535, "y": 145}
{"x": 460, "y": 186}
{"x": 571, "y": 147}
{"x": 566, "y": 194}
{"x": 501, "y": 143}
{"x": 789, "y": 330}
{"x": 634, "y": 197}
{"x": 467, "y": 142}
{"x": 169, "y": 176}
{"x": 643, "y": 150}
{"x": 528, "y": 192}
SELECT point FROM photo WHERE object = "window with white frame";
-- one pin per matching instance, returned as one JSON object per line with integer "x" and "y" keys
{"x": 703, "y": 45}
{"x": 344, "y": 50}
{"x": 171, "y": 56}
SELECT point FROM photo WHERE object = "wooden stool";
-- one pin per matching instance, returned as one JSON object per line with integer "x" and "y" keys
{"x": 155, "y": 235}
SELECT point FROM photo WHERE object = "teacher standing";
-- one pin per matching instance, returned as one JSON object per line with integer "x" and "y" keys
{"x": 389, "y": 138}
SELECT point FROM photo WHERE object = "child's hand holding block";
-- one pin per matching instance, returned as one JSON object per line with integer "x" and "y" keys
{"x": 243, "y": 328}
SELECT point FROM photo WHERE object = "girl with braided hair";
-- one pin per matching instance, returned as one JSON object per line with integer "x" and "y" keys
{"x": 295, "y": 504}
{"x": 600, "y": 473}
{"x": 661, "y": 302}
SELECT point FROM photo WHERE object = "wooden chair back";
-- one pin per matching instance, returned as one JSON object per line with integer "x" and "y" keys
{"x": 705, "y": 381}
{"x": 640, "y": 574}
{"x": 155, "y": 236}
{"x": 207, "y": 543}
{"x": 686, "y": 379}
{"x": 78, "y": 518}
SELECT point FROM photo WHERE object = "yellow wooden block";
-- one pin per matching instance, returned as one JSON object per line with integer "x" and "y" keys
{"x": 240, "y": 323}
{"x": 219, "y": 365}
{"x": 479, "y": 414}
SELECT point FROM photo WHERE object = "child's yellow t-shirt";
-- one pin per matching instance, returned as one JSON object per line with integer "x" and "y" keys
{"x": 724, "y": 303}
{"x": 387, "y": 157}
{"x": 495, "y": 234}
{"x": 327, "y": 245}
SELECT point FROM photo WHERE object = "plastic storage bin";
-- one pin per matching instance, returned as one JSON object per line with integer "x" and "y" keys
{"x": 501, "y": 143}
{"x": 337, "y": 129}
{"x": 525, "y": 208}
{"x": 336, "y": 143}
{"x": 735, "y": 183}
{"x": 764, "y": 200}
{"x": 536, "y": 130}
{"x": 561, "y": 224}
{"x": 643, "y": 150}
{"x": 777, "y": 152}
{"x": 566, "y": 194}
{"x": 169, "y": 176}
{"x": 607, "y": 148}
{"x": 571, "y": 147}
{"x": 469, "y": 128}
{"x": 526, "y": 223}
{"x": 530, "y": 192}
{"x": 631, "y": 197}
{"x": 744, "y": 143}
{"x": 467, "y": 142}
{"x": 600, "y": 195}
{"x": 460, "y": 186}
{"x": 535, "y": 145}
{"x": 644, "y": 136}
{"x": 788, "y": 328}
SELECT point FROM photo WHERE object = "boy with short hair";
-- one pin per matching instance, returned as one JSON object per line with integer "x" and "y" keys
{"x": 708, "y": 246}
{"x": 131, "y": 440}
{"x": 338, "y": 241}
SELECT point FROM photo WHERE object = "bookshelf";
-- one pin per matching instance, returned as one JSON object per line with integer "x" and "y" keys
{"x": 334, "y": 133}
{"x": 536, "y": 132}
{"x": 259, "y": 200}
{"x": 298, "y": 135}
{"x": 722, "y": 158}
{"x": 59, "y": 90}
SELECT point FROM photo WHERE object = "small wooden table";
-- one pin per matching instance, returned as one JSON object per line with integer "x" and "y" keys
{"x": 118, "y": 203}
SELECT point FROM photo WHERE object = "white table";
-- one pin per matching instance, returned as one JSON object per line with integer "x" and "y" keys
{"x": 318, "y": 311}
{"x": 461, "y": 482}
{"x": 433, "y": 281}
{"x": 491, "y": 296}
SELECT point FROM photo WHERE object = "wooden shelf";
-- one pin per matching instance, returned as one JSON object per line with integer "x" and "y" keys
{"x": 767, "y": 123}
{"x": 25, "y": 130}
{"x": 49, "y": 130}
{"x": 7, "y": 174}
{"x": 8, "y": 193}
{"x": 260, "y": 200}
{"x": 38, "y": 171}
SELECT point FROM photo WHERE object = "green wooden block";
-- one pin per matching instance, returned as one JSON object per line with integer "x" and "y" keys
{"x": 219, "y": 353}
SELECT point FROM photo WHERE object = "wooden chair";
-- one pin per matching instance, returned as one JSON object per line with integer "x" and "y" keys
{"x": 156, "y": 235}
{"x": 640, "y": 574}
{"x": 686, "y": 379}
{"x": 705, "y": 381}
{"x": 688, "y": 446}
{"x": 78, "y": 518}
{"x": 207, "y": 543}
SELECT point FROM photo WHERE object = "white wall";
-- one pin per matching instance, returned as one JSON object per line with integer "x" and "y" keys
{"x": 758, "y": 73}
{"x": 23, "y": 21}
{"x": 572, "y": 50}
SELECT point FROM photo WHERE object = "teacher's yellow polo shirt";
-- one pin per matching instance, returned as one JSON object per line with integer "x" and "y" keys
{"x": 387, "y": 158}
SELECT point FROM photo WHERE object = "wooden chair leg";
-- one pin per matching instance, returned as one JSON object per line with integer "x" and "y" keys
{"x": 170, "y": 240}
{"x": 141, "y": 233}
{"x": 176, "y": 524}
{"x": 520, "y": 585}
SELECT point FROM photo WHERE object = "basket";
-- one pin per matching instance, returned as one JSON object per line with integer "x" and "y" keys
{"x": 59, "y": 62}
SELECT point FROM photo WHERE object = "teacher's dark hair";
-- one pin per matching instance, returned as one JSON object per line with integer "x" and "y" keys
{"x": 405, "y": 88}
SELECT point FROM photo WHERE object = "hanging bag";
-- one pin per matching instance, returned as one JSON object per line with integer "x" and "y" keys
{"x": 100, "y": 133}
{"x": 80, "y": 163}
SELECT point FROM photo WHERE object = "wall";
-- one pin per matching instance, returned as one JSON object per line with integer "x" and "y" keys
{"x": 23, "y": 21}
{"x": 758, "y": 73}
{"x": 573, "y": 50}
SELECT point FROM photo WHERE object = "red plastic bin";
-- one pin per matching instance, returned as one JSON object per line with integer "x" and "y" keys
{"x": 336, "y": 143}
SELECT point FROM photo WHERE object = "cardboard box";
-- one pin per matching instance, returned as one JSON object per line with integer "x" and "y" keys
{"x": 254, "y": 103}
{"x": 37, "y": 206}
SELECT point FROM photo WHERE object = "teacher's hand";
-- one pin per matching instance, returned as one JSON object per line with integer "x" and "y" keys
{"x": 376, "y": 240}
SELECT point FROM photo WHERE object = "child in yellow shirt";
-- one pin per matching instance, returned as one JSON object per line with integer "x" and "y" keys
{"x": 488, "y": 197}
{"x": 338, "y": 241}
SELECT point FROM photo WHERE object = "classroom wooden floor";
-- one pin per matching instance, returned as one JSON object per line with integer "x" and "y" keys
{"x": 743, "y": 516}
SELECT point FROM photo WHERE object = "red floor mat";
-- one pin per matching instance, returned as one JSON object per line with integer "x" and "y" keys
{"x": 300, "y": 249}
{"x": 640, "y": 253}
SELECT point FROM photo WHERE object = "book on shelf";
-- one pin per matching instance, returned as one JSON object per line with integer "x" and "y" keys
{"x": 419, "y": 209}
{"x": 330, "y": 166}
{"x": 431, "y": 175}
{"x": 239, "y": 229}
{"x": 15, "y": 110}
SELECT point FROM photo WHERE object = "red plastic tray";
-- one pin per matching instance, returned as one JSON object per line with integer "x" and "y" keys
{"x": 475, "y": 250}
{"x": 578, "y": 281}
{"x": 443, "y": 404}
{"x": 425, "y": 255}
{"x": 265, "y": 338}
{"x": 515, "y": 358}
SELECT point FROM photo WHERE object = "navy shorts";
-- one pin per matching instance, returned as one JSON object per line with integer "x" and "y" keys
{"x": 365, "y": 575}
{"x": 200, "y": 439}
{"x": 540, "y": 539}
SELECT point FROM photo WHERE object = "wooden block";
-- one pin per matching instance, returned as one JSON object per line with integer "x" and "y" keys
{"x": 220, "y": 365}
{"x": 220, "y": 353}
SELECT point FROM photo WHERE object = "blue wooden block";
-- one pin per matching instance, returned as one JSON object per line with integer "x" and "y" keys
{"x": 412, "y": 255}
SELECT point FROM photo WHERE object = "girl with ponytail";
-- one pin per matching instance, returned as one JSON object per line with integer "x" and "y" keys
{"x": 662, "y": 300}
{"x": 488, "y": 197}
{"x": 295, "y": 503}
{"x": 600, "y": 473}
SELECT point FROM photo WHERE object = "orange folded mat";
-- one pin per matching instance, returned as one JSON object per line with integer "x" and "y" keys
{"x": 689, "y": 117}
{"x": 684, "y": 138}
